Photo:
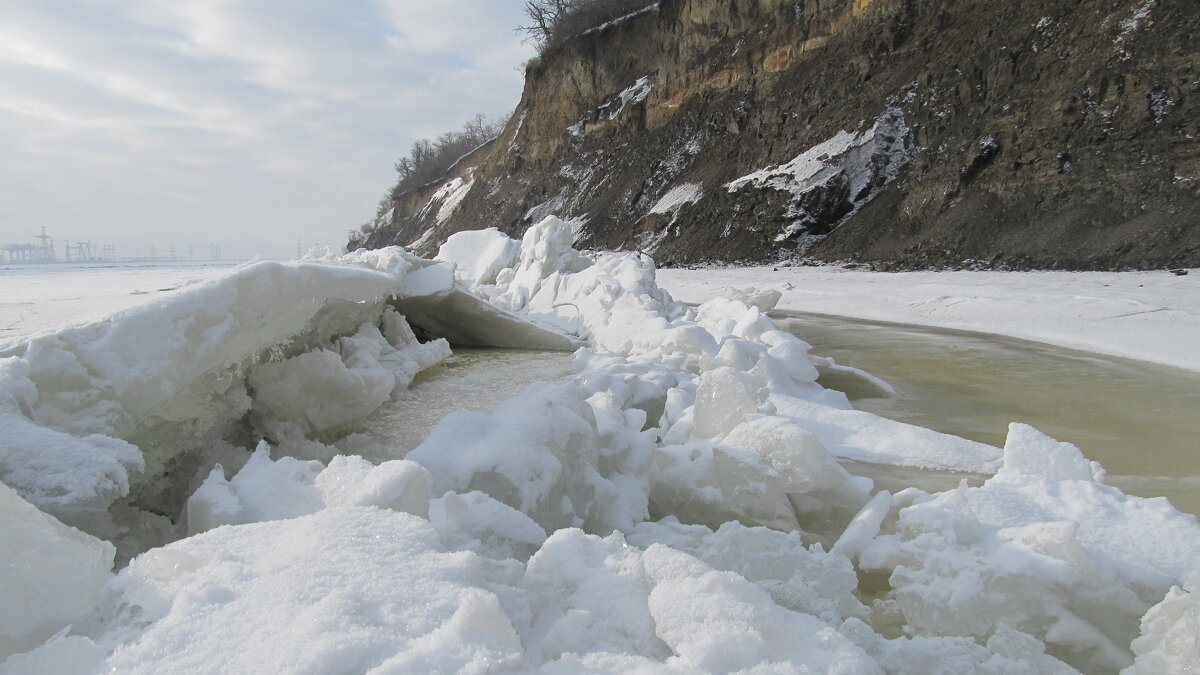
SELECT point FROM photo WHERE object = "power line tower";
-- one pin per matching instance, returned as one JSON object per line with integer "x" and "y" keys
{"x": 47, "y": 245}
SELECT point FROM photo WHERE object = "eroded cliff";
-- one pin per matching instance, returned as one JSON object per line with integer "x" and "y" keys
{"x": 906, "y": 133}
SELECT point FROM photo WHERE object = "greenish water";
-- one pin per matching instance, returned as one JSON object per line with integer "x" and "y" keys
{"x": 1140, "y": 420}
{"x": 472, "y": 379}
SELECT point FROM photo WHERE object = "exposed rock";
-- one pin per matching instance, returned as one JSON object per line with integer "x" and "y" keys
{"x": 1060, "y": 134}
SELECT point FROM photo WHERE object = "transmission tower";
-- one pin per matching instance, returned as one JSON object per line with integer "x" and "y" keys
{"x": 47, "y": 245}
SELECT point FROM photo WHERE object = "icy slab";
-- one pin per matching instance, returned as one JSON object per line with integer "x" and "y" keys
{"x": 51, "y": 576}
{"x": 1030, "y": 452}
{"x": 546, "y": 454}
{"x": 463, "y": 318}
{"x": 862, "y": 436}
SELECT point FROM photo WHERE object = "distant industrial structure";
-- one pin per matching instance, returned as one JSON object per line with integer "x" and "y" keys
{"x": 50, "y": 250}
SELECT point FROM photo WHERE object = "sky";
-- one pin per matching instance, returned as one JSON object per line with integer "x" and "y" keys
{"x": 252, "y": 125}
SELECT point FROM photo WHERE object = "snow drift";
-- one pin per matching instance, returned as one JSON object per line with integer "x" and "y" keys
{"x": 678, "y": 504}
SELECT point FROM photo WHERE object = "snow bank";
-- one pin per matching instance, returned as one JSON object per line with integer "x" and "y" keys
{"x": 678, "y": 504}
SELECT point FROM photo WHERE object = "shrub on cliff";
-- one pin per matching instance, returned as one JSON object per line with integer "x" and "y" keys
{"x": 555, "y": 21}
{"x": 428, "y": 160}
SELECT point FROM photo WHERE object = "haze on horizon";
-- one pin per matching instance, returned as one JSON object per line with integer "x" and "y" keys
{"x": 253, "y": 124}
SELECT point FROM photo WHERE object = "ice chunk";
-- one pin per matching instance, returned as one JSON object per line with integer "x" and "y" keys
{"x": 864, "y": 527}
{"x": 1169, "y": 643}
{"x": 170, "y": 374}
{"x": 213, "y": 504}
{"x": 347, "y": 589}
{"x": 324, "y": 388}
{"x": 798, "y": 457}
{"x": 537, "y": 453}
{"x": 1008, "y": 652}
{"x": 720, "y": 622}
{"x": 266, "y": 489}
{"x": 725, "y": 398}
{"x": 765, "y": 299}
{"x": 591, "y": 597}
{"x": 479, "y": 255}
{"x": 477, "y": 522}
{"x": 51, "y": 576}
{"x": 1029, "y": 451}
{"x": 433, "y": 281}
{"x": 1062, "y": 560}
{"x": 797, "y": 577}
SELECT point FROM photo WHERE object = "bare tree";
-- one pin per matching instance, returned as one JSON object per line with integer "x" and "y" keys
{"x": 428, "y": 160}
{"x": 554, "y": 21}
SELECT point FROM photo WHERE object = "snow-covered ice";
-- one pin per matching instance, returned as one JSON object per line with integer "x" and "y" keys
{"x": 678, "y": 504}
{"x": 1150, "y": 316}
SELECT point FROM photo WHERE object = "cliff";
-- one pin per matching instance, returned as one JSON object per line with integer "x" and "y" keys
{"x": 905, "y": 133}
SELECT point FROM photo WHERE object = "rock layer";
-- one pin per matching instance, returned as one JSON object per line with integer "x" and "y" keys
{"x": 1060, "y": 134}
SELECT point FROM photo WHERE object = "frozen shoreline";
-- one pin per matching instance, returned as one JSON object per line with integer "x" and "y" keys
{"x": 678, "y": 504}
{"x": 1148, "y": 316}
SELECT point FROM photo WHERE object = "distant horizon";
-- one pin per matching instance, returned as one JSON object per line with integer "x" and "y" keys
{"x": 245, "y": 124}
{"x": 214, "y": 251}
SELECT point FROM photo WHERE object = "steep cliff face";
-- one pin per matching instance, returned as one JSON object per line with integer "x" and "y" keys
{"x": 905, "y": 132}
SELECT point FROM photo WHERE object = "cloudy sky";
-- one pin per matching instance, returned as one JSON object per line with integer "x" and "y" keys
{"x": 248, "y": 123}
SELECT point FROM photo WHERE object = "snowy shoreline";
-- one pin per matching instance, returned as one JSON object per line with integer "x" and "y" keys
{"x": 1147, "y": 316}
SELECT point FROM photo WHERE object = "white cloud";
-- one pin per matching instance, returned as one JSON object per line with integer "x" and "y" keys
{"x": 252, "y": 121}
